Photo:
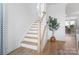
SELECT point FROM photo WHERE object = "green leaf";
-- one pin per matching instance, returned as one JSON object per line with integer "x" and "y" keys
{"x": 52, "y": 23}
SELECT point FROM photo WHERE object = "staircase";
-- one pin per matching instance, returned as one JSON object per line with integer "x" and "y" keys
{"x": 32, "y": 39}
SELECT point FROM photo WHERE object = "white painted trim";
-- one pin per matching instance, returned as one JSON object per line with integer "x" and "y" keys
{"x": 5, "y": 26}
{"x": 75, "y": 13}
{"x": 71, "y": 18}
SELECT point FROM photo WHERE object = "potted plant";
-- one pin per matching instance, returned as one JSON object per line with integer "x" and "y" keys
{"x": 53, "y": 25}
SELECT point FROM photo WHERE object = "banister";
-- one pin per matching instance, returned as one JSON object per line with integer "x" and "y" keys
{"x": 39, "y": 35}
{"x": 43, "y": 35}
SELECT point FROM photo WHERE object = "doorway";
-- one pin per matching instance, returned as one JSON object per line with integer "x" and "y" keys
{"x": 70, "y": 36}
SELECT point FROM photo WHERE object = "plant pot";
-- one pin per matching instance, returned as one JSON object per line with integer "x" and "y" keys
{"x": 52, "y": 39}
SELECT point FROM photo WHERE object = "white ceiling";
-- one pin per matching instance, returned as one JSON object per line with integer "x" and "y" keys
{"x": 72, "y": 9}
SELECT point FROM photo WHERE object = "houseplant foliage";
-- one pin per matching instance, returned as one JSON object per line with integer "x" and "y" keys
{"x": 53, "y": 25}
{"x": 70, "y": 29}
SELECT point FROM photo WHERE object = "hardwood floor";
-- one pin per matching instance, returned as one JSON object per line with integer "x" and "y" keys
{"x": 51, "y": 48}
{"x": 70, "y": 46}
{"x": 67, "y": 47}
{"x": 23, "y": 51}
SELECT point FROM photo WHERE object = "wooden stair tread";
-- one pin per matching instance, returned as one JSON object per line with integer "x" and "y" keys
{"x": 30, "y": 43}
{"x": 30, "y": 40}
{"x": 35, "y": 24}
{"x": 31, "y": 33}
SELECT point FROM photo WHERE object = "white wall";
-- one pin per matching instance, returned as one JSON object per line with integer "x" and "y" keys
{"x": 57, "y": 11}
{"x": 19, "y": 17}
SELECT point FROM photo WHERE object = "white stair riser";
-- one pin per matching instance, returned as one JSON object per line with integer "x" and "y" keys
{"x": 33, "y": 31}
{"x": 32, "y": 35}
{"x": 30, "y": 40}
{"x": 35, "y": 24}
{"x": 29, "y": 46}
{"x": 34, "y": 28}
